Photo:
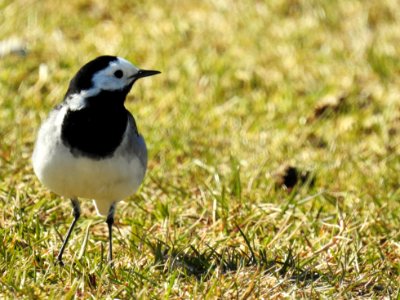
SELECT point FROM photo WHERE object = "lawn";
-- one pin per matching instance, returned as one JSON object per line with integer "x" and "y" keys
{"x": 274, "y": 150}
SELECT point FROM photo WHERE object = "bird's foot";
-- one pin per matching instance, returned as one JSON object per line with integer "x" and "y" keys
{"x": 60, "y": 261}
{"x": 110, "y": 263}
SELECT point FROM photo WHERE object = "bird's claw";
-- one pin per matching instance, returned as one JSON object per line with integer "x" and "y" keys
{"x": 60, "y": 261}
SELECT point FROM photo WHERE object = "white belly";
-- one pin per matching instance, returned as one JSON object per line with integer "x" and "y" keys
{"x": 106, "y": 180}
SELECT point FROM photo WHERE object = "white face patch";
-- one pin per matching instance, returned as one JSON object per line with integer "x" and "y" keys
{"x": 118, "y": 75}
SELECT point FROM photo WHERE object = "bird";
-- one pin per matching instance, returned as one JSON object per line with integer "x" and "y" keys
{"x": 89, "y": 145}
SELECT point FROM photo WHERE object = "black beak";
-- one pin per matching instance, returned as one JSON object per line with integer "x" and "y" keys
{"x": 145, "y": 73}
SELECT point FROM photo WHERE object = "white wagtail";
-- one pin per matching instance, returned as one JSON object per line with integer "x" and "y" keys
{"x": 89, "y": 146}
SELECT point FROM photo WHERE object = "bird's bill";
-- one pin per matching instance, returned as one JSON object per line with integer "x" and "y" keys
{"x": 145, "y": 73}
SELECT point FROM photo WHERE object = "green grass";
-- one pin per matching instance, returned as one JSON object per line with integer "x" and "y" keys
{"x": 247, "y": 87}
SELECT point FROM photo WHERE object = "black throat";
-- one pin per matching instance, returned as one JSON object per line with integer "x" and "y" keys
{"x": 96, "y": 130}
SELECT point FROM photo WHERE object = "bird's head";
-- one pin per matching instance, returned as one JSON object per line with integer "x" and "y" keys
{"x": 107, "y": 73}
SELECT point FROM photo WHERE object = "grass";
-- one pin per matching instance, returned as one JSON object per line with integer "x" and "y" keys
{"x": 248, "y": 88}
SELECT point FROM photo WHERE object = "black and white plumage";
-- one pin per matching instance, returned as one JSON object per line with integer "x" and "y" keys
{"x": 89, "y": 146}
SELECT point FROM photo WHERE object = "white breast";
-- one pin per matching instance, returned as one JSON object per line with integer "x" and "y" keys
{"x": 106, "y": 180}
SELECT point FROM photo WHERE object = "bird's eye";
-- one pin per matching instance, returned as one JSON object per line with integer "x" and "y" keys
{"x": 118, "y": 74}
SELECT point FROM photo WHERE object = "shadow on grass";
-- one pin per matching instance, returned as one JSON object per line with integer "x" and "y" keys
{"x": 202, "y": 264}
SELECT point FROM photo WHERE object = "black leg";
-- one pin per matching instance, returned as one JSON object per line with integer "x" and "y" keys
{"x": 110, "y": 222}
{"x": 76, "y": 212}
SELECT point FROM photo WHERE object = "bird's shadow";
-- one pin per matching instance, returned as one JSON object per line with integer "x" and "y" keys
{"x": 203, "y": 263}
